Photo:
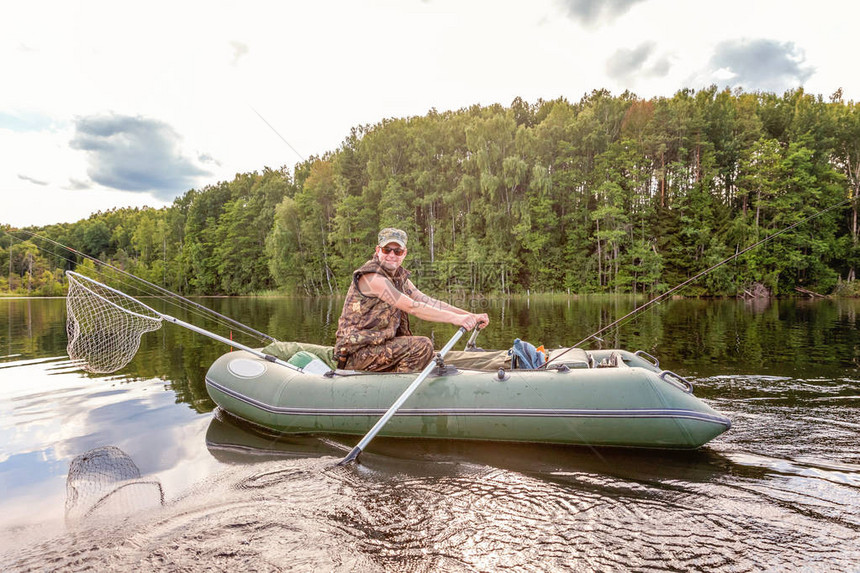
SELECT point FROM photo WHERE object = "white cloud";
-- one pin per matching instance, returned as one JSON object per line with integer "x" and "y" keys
{"x": 626, "y": 65}
{"x": 596, "y": 12}
{"x": 135, "y": 154}
{"x": 315, "y": 70}
{"x": 761, "y": 64}
{"x": 31, "y": 180}
{"x": 55, "y": 187}
{"x": 239, "y": 49}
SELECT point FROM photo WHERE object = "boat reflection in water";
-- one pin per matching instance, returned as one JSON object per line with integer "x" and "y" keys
{"x": 234, "y": 441}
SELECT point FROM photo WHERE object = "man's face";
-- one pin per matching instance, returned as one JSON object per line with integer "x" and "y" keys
{"x": 391, "y": 256}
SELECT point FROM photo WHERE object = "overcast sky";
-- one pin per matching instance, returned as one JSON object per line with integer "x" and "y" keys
{"x": 111, "y": 104}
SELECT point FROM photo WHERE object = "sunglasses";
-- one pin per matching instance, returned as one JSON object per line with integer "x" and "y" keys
{"x": 397, "y": 251}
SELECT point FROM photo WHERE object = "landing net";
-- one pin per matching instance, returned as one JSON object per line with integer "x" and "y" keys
{"x": 104, "y": 325}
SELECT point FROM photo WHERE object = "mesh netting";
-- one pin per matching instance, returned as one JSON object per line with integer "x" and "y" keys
{"x": 104, "y": 325}
{"x": 106, "y": 483}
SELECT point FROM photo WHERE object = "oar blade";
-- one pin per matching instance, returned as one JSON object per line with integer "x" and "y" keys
{"x": 351, "y": 456}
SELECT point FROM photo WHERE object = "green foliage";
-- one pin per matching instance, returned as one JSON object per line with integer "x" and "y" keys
{"x": 608, "y": 194}
{"x": 29, "y": 273}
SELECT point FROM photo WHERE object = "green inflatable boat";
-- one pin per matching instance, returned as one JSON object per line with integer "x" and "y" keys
{"x": 595, "y": 398}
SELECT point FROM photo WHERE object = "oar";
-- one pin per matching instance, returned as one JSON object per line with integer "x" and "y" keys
{"x": 353, "y": 455}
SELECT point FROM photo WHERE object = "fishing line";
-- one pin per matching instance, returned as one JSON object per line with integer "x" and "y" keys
{"x": 278, "y": 134}
{"x": 209, "y": 314}
{"x": 639, "y": 309}
{"x": 189, "y": 305}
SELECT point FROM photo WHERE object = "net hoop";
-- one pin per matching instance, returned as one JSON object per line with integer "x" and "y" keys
{"x": 118, "y": 307}
{"x": 104, "y": 325}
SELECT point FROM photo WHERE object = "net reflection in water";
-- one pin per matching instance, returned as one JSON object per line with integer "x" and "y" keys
{"x": 105, "y": 483}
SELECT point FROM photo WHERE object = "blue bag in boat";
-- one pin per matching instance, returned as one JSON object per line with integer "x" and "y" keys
{"x": 524, "y": 355}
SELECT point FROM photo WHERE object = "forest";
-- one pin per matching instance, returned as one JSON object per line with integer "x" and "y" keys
{"x": 611, "y": 194}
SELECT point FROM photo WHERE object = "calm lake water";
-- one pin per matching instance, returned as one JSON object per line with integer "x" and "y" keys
{"x": 780, "y": 491}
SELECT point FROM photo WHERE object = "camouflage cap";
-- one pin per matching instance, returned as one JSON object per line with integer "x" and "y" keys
{"x": 391, "y": 235}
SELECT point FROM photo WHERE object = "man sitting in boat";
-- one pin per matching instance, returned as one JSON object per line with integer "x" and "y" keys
{"x": 373, "y": 331}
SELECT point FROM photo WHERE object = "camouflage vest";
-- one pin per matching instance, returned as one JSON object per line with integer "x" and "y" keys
{"x": 367, "y": 320}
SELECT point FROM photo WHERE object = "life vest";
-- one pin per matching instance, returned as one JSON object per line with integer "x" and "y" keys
{"x": 368, "y": 320}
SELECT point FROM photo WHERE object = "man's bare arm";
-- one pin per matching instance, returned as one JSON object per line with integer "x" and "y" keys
{"x": 423, "y": 308}
{"x": 436, "y": 303}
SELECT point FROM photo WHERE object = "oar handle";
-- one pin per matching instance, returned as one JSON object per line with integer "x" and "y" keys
{"x": 353, "y": 455}
{"x": 471, "y": 343}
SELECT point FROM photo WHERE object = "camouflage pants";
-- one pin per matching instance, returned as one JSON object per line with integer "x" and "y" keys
{"x": 400, "y": 354}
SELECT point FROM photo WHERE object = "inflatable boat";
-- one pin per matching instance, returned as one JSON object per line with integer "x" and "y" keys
{"x": 594, "y": 398}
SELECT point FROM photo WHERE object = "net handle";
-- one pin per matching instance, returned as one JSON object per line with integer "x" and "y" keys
{"x": 77, "y": 277}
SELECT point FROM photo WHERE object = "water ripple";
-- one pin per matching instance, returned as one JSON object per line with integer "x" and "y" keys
{"x": 756, "y": 513}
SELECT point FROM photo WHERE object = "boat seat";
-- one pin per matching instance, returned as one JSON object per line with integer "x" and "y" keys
{"x": 286, "y": 350}
{"x": 488, "y": 360}
{"x": 572, "y": 358}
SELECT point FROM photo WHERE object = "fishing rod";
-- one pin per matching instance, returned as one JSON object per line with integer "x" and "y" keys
{"x": 159, "y": 289}
{"x": 640, "y": 308}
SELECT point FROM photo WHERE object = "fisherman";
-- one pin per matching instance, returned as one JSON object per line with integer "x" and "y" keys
{"x": 373, "y": 331}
